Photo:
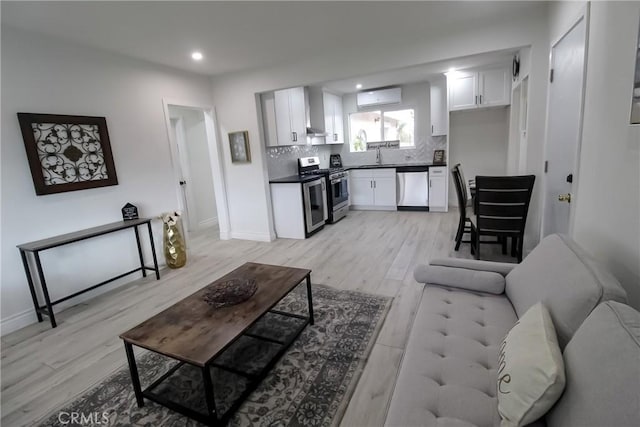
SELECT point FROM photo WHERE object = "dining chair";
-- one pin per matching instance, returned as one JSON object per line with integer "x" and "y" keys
{"x": 501, "y": 207}
{"x": 464, "y": 224}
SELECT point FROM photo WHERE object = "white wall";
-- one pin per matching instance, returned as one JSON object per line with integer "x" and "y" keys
{"x": 44, "y": 75}
{"x": 248, "y": 192}
{"x": 200, "y": 176}
{"x": 478, "y": 140}
{"x": 607, "y": 203}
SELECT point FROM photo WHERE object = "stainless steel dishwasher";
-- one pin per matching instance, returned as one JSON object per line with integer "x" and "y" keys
{"x": 412, "y": 189}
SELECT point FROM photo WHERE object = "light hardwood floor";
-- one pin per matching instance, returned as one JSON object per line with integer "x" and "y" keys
{"x": 375, "y": 252}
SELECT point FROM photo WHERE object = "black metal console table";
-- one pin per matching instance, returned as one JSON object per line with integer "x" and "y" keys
{"x": 40, "y": 245}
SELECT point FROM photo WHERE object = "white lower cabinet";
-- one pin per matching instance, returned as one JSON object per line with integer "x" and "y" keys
{"x": 373, "y": 189}
{"x": 438, "y": 189}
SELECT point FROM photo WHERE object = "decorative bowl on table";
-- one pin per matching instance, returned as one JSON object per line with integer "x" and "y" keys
{"x": 230, "y": 292}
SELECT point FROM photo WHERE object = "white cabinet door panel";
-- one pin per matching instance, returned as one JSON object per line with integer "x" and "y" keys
{"x": 437, "y": 193}
{"x": 298, "y": 113}
{"x": 283, "y": 120}
{"x": 439, "y": 111}
{"x": 462, "y": 91}
{"x": 385, "y": 191}
{"x": 495, "y": 87}
{"x": 361, "y": 189}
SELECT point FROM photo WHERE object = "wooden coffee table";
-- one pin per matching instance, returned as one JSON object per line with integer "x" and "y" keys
{"x": 194, "y": 333}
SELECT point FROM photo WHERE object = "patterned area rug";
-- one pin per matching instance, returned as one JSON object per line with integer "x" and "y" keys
{"x": 309, "y": 386}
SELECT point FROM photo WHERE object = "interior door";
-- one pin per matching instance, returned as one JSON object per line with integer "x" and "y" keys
{"x": 177, "y": 127}
{"x": 564, "y": 123}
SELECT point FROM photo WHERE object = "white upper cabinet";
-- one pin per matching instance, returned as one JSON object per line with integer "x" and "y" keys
{"x": 291, "y": 116}
{"x": 463, "y": 91}
{"x": 333, "y": 120}
{"x": 439, "y": 111}
{"x": 478, "y": 89}
{"x": 495, "y": 87}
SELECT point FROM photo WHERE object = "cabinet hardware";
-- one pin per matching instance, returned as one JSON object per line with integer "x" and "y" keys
{"x": 295, "y": 136}
{"x": 374, "y": 184}
{"x": 480, "y": 99}
{"x": 370, "y": 184}
{"x": 476, "y": 99}
{"x": 431, "y": 128}
{"x": 183, "y": 182}
{"x": 429, "y": 183}
{"x": 335, "y": 136}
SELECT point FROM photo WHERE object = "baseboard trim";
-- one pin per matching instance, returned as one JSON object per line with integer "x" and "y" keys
{"x": 372, "y": 208}
{"x": 258, "y": 237}
{"x": 208, "y": 222}
{"x": 18, "y": 321}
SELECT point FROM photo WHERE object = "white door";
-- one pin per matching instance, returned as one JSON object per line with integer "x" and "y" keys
{"x": 179, "y": 136}
{"x": 462, "y": 91}
{"x": 564, "y": 123}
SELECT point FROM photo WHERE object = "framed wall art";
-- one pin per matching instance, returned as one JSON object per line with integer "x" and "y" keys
{"x": 438, "y": 156}
{"x": 67, "y": 153}
{"x": 239, "y": 146}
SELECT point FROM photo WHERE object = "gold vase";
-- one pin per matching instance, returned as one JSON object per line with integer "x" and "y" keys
{"x": 175, "y": 252}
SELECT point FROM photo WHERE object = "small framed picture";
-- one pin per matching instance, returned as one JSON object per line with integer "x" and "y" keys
{"x": 239, "y": 146}
{"x": 438, "y": 156}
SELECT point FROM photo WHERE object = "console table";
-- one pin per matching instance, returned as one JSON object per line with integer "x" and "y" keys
{"x": 52, "y": 242}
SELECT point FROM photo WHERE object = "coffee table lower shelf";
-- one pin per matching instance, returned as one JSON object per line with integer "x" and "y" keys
{"x": 214, "y": 417}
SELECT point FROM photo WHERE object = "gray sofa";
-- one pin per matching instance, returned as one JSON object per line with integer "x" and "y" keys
{"x": 449, "y": 371}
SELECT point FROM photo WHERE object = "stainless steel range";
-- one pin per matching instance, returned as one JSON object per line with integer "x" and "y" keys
{"x": 338, "y": 188}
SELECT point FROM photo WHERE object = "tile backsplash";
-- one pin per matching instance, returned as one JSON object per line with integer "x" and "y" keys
{"x": 283, "y": 161}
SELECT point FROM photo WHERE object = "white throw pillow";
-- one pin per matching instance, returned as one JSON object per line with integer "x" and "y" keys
{"x": 530, "y": 369}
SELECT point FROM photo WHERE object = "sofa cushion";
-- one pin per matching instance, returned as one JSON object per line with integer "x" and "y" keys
{"x": 449, "y": 371}
{"x": 463, "y": 278}
{"x": 530, "y": 369}
{"x": 567, "y": 280}
{"x": 602, "y": 363}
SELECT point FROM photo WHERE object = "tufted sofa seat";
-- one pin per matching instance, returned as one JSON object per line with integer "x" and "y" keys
{"x": 449, "y": 371}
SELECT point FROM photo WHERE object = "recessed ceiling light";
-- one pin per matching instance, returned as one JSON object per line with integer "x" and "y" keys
{"x": 359, "y": 86}
{"x": 197, "y": 56}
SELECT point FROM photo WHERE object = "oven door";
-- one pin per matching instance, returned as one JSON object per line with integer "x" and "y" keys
{"x": 339, "y": 192}
{"x": 315, "y": 203}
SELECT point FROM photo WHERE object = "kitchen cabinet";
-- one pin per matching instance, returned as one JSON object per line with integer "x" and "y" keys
{"x": 373, "y": 189}
{"x": 479, "y": 89}
{"x": 333, "y": 119}
{"x": 438, "y": 189}
{"x": 439, "y": 111}
{"x": 291, "y": 116}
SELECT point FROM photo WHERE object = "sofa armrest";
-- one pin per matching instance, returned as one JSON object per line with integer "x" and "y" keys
{"x": 462, "y": 278}
{"x": 503, "y": 268}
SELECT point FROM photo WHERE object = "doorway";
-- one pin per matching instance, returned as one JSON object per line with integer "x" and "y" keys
{"x": 564, "y": 128}
{"x": 197, "y": 170}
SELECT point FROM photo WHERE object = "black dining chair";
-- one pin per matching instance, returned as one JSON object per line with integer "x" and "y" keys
{"x": 501, "y": 207}
{"x": 464, "y": 224}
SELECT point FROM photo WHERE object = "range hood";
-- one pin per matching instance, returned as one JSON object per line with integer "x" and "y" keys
{"x": 315, "y": 132}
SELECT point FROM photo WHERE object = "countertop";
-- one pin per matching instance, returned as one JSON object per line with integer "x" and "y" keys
{"x": 400, "y": 167}
{"x": 294, "y": 179}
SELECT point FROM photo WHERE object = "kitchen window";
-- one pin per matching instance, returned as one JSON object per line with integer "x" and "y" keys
{"x": 381, "y": 126}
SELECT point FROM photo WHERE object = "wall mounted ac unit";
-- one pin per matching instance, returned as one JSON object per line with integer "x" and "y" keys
{"x": 379, "y": 96}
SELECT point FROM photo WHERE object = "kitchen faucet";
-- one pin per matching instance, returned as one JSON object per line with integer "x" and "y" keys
{"x": 378, "y": 156}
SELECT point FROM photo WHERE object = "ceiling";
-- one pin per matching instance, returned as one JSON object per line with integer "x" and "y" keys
{"x": 236, "y": 36}
{"x": 419, "y": 73}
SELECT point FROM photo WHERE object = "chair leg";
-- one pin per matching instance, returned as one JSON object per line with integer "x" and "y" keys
{"x": 460, "y": 232}
{"x": 514, "y": 245}
{"x": 477, "y": 240}
{"x": 503, "y": 241}
{"x": 520, "y": 246}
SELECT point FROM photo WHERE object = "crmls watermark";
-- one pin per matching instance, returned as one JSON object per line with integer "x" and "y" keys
{"x": 83, "y": 419}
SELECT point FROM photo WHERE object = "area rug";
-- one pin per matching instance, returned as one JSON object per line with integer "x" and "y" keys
{"x": 309, "y": 386}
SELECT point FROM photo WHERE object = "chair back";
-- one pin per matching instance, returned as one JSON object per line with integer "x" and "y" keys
{"x": 502, "y": 203}
{"x": 461, "y": 190}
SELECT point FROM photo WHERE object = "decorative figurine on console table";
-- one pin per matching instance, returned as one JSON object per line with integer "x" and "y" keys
{"x": 175, "y": 252}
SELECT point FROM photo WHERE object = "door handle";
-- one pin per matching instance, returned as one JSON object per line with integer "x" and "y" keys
{"x": 565, "y": 197}
{"x": 183, "y": 182}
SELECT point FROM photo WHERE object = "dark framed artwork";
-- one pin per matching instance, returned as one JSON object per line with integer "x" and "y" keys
{"x": 239, "y": 146}
{"x": 438, "y": 156}
{"x": 67, "y": 153}
{"x": 635, "y": 96}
